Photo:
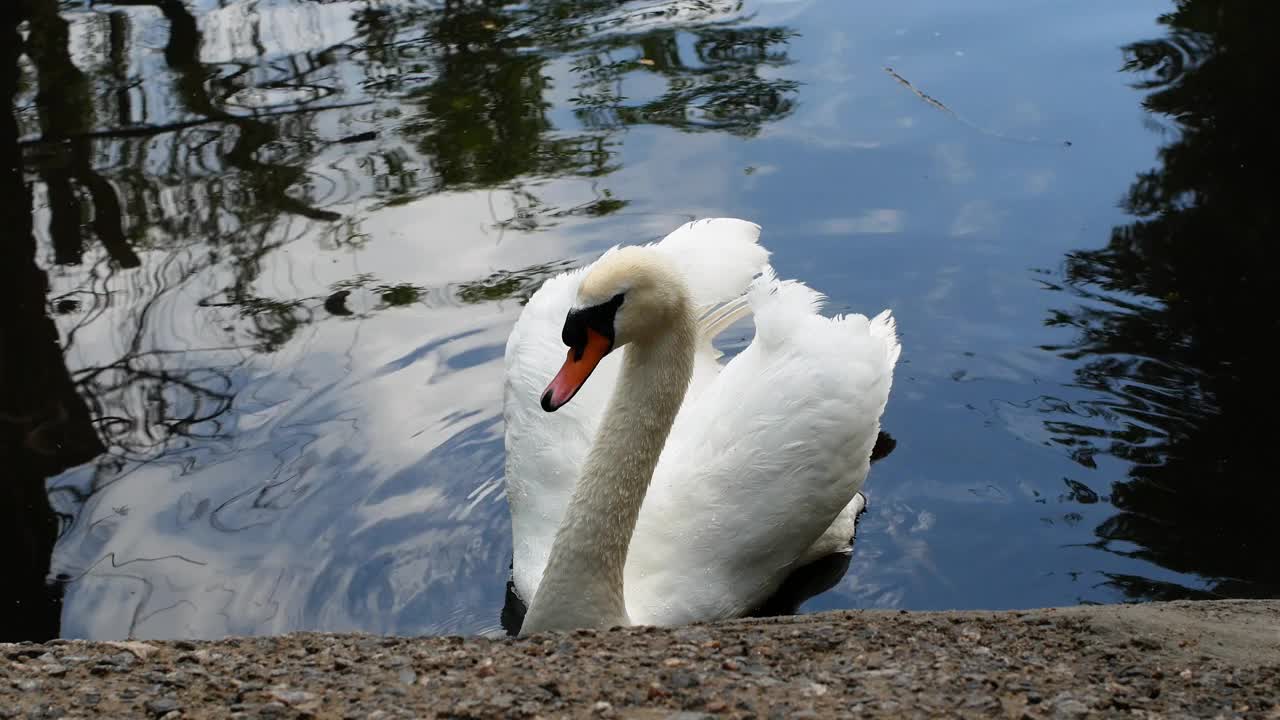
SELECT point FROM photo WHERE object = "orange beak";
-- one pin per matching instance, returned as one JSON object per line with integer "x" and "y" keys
{"x": 576, "y": 369}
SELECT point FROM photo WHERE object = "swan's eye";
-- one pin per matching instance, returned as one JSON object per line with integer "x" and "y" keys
{"x": 596, "y": 317}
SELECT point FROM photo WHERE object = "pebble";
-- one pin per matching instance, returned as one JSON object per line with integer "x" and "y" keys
{"x": 140, "y": 650}
{"x": 683, "y": 679}
{"x": 161, "y": 706}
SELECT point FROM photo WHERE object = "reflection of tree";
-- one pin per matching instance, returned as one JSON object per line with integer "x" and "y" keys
{"x": 719, "y": 88}
{"x": 44, "y": 426}
{"x": 1179, "y": 308}
{"x": 501, "y": 285}
{"x": 504, "y": 285}
{"x": 141, "y": 401}
{"x": 66, "y": 115}
{"x": 482, "y": 117}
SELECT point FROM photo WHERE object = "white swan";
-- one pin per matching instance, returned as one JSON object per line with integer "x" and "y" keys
{"x": 672, "y": 489}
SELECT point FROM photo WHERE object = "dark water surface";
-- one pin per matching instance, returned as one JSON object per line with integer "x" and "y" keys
{"x": 260, "y": 259}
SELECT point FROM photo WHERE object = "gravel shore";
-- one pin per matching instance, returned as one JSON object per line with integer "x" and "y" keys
{"x": 1181, "y": 659}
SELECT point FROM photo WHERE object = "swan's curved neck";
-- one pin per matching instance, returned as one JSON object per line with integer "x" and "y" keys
{"x": 582, "y": 583}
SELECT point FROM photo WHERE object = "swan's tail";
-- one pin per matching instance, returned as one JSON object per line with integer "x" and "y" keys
{"x": 885, "y": 326}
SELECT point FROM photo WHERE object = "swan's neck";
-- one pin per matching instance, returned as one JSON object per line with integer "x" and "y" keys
{"x": 582, "y": 583}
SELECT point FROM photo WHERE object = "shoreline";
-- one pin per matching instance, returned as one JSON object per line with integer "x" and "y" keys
{"x": 1197, "y": 658}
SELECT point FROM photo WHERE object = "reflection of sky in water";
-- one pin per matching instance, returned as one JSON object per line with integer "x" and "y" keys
{"x": 356, "y": 481}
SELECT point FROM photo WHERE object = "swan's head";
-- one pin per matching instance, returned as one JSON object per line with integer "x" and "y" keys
{"x": 631, "y": 295}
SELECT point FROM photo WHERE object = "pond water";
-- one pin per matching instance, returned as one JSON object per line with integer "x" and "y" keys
{"x": 262, "y": 257}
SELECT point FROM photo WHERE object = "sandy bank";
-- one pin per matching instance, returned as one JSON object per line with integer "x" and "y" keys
{"x": 1202, "y": 659}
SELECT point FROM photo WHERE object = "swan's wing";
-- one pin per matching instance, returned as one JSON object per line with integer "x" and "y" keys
{"x": 718, "y": 258}
{"x": 760, "y": 464}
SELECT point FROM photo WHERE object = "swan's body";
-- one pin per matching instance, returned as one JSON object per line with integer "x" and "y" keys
{"x": 699, "y": 488}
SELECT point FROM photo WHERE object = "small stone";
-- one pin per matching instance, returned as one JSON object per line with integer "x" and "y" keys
{"x": 683, "y": 679}
{"x": 815, "y": 690}
{"x": 1145, "y": 643}
{"x": 1185, "y": 674}
{"x": 292, "y": 697}
{"x": 392, "y": 691}
{"x": 301, "y": 701}
{"x": 766, "y": 680}
{"x": 140, "y": 650}
{"x": 603, "y": 708}
{"x": 23, "y": 652}
{"x": 408, "y": 676}
{"x": 28, "y": 685}
{"x": 161, "y": 706}
{"x": 982, "y": 702}
{"x": 1069, "y": 708}
{"x": 45, "y": 712}
{"x": 272, "y": 709}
